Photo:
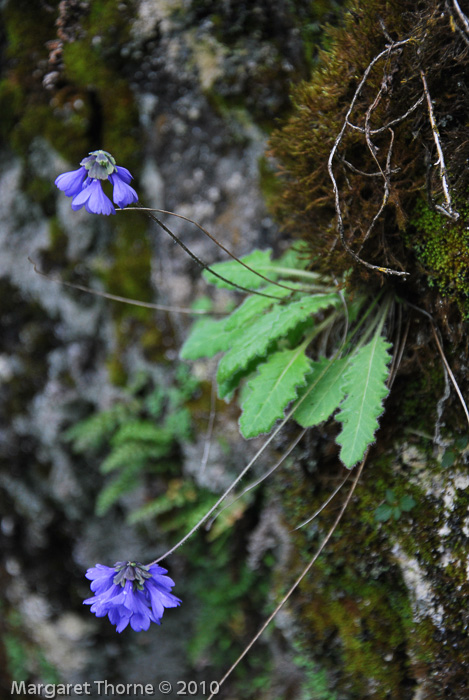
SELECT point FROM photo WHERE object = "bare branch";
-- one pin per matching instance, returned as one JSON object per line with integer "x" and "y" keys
{"x": 361, "y": 172}
{"x": 436, "y": 334}
{"x": 448, "y": 209}
{"x": 387, "y": 189}
{"x": 455, "y": 26}
{"x": 450, "y": 373}
{"x": 340, "y": 223}
{"x": 461, "y": 16}
{"x": 393, "y": 122}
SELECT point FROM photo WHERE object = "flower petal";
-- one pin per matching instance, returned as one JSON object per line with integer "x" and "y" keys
{"x": 124, "y": 174}
{"x": 143, "y": 592}
{"x": 122, "y": 194}
{"x": 94, "y": 200}
{"x": 71, "y": 182}
{"x": 140, "y": 622}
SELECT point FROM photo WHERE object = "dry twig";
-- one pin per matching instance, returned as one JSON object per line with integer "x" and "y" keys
{"x": 448, "y": 209}
{"x": 340, "y": 223}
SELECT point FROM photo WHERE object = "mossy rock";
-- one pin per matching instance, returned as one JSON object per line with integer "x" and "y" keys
{"x": 377, "y": 216}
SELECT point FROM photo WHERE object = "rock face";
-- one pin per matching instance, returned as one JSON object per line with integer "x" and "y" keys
{"x": 179, "y": 92}
{"x": 182, "y": 93}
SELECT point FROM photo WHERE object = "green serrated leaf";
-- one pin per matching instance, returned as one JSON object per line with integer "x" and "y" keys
{"x": 365, "y": 388}
{"x": 323, "y": 392}
{"x": 271, "y": 390}
{"x": 207, "y": 338}
{"x": 259, "y": 260}
{"x": 227, "y": 388}
{"x": 258, "y": 336}
{"x": 253, "y": 306}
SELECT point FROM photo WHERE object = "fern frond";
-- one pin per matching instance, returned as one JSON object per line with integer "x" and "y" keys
{"x": 142, "y": 431}
{"x": 133, "y": 452}
{"x": 125, "y": 482}
{"x": 92, "y": 433}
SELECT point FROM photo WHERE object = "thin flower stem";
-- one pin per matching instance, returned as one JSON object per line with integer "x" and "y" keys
{"x": 255, "y": 483}
{"x": 124, "y": 300}
{"x": 240, "y": 476}
{"x": 300, "y": 578}
{"x": 321, "y": 508}
{"x": 220, "y": 245}
{"x": 225, "y": 494}
{"x": 201, "y": 262}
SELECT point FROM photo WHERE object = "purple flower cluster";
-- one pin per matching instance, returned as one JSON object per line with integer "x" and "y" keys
{"x": 130, "y": 593}
{"x": 84, "y": 184}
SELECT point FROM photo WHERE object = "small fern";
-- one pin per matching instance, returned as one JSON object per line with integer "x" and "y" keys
{"x": 137, "y": 437}
{"x": 266, "y": 344}
{"x": 92, "y": 433}
{"x": 122, "y": 484}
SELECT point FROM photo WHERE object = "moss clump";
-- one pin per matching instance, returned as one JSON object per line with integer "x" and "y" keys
{"x": 442, "y": 247}
{"x": 375, "y": 221}
{"x": 353, "y": 621}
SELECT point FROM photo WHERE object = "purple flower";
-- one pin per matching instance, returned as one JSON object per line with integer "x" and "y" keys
{"x": 85, "y": 186}
{"x": 94, "y": 199}
{"x": 130, "y": 592}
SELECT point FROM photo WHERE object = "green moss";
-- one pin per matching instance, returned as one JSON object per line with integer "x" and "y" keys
{"x": 442, "y": 247}
{"x": 117, "y": 113}
{"x": 307, "y": 207}
{"x": 269, "y": 182}
{"x": 354, "y": 623}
